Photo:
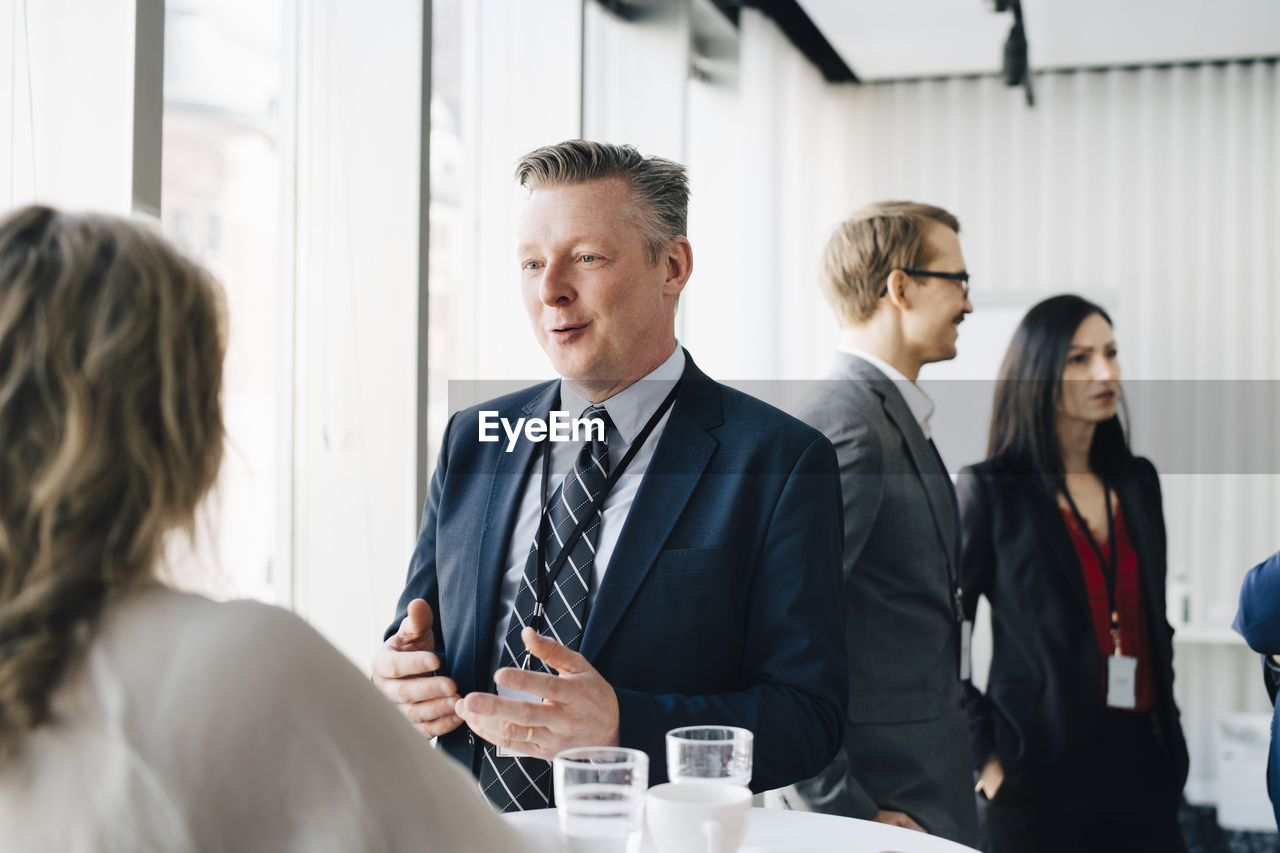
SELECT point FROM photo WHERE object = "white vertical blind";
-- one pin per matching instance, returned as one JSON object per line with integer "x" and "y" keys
{"x": 1133, "y": 184}
{"x": 221, "y": 201}
{"x": 357, "y": 221}
{"x": 67, "y": 103}
{"x": 521, "y": 67}
{"x": 634, "y": 80}
{"x": 766, "y": 171}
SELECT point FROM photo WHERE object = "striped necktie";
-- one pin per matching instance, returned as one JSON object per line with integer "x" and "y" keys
{"x": 519, "y": 783}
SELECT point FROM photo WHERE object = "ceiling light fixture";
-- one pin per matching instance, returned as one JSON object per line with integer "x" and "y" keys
{"x": 1014, "y": 65}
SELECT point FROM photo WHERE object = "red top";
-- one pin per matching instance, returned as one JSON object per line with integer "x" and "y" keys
{"x": 1134, "y": 639}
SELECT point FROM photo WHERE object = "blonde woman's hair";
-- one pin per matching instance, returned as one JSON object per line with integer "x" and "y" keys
{"x": 111, "y": 432}
{"x": 870, "y": 244}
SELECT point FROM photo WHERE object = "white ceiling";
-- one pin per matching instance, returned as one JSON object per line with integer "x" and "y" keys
{"x": 886, "y": 39}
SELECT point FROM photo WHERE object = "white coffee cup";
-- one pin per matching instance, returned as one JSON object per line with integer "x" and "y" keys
{"x": 697, "y": 817}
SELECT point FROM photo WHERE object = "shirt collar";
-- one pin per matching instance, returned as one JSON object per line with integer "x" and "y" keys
{"x": 632, "y": 407}
{"x": 917, "y": 401}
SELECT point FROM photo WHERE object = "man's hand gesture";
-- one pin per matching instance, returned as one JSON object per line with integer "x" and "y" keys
{"x": 578, "y": 706}
{"x": 402, "y": 671}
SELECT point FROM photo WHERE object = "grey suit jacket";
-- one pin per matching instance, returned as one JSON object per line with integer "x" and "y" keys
{"x": 907, "y": 743}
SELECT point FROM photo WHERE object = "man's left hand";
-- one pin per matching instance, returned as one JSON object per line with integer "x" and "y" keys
{"x": 578, "y": 707}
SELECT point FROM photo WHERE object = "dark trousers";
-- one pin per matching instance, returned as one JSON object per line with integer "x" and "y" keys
{"x": 1131, "y": 810}
{"x": 1017, "y": 826}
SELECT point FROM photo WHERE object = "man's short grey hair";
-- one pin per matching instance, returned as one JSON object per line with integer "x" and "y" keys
{"x": 659, "y": 187}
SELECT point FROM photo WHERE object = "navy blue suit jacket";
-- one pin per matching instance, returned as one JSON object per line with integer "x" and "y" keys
{"x": 1258, "y": 621}
{"x": 721, "y": 602}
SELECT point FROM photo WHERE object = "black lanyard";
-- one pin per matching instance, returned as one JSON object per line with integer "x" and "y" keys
{"x": 1106, "y": 564}
{"x": 547, "y": 574}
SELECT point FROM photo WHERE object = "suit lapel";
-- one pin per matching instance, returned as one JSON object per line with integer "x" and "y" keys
{"x": 682, "y": 454}
{"x": 1059, "y": 545}
{"x": 928, "y": 464}
{"x": 506, "y": 487}
{"x": 1139, "y": 527}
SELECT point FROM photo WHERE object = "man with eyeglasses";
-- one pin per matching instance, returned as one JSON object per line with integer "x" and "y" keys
{"x": 896, "y": 278}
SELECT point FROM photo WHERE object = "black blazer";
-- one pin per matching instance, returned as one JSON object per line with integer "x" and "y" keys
{"x": 1043, "y": 709}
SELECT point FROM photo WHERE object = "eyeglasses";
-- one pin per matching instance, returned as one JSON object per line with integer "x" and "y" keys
{"x": 960, "y": 278}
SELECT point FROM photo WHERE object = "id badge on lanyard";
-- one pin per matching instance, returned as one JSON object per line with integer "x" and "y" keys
{"x": 1122, "y": 674}
{"x": 1122, "y": 681}
{"x": 1122, "y": 669}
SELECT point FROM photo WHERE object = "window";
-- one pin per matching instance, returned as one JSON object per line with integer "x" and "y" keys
{"x": 221, "y": 202}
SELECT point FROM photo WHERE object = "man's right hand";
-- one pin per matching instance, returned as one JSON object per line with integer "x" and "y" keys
{"x": 399, "y": 668}
{"x": 897, "y": 819}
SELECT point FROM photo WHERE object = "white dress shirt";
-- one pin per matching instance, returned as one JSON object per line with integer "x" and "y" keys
{"x": 917, "y": 401}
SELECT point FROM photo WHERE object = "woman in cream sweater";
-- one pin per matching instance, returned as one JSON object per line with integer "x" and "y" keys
{"x": 134, "y": 717}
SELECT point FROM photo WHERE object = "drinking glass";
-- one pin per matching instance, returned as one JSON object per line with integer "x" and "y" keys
{"x": 709, "y": 753}
{"x": 600, "y": 798}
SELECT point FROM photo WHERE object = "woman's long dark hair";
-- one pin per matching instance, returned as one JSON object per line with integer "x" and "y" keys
{"x": 1024, "y": 419}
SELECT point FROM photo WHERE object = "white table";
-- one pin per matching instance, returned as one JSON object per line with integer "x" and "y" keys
{"x": 776, "y": 831}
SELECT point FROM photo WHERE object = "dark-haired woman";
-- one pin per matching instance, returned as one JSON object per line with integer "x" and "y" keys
{"x": 134, "y": 717}
{"x": 1077, "y": 739}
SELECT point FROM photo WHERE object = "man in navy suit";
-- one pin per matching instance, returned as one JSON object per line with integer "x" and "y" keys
{"x": 713, "y": 590}
{"x": 1258, "y": 621}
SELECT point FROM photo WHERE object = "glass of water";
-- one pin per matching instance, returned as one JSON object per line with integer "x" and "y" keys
{"x": 710, "y": 754}
{"x": 600, "y": 798}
